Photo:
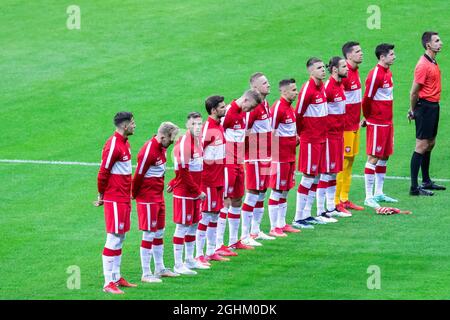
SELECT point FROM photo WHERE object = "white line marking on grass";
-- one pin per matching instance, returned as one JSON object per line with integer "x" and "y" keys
{"x": 96, "y": 164}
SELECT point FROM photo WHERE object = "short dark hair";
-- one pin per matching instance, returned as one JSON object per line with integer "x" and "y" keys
{"x": 383, "y": 49}
{"x": 255, "y": 76}
{"x": 212, "y": 102}
{"x": 311, "y": 61}
{"x": 334, "y": 62}
{"x": 194, "y": 115}
{"x": 348, "y": 47}
{"x": 426, "y": 37}
{"x": 121, "y": 117}
{"x": 285, "y": 82}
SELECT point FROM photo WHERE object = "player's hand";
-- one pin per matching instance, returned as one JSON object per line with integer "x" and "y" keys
{"x": 410, "y": 115}
{"x": 297, "y": 140}
{"x": 99, "y": 202}
{"x": 169, "y": 189}
{"x": 363, "y": 123}
{"x": 202, "y": 196}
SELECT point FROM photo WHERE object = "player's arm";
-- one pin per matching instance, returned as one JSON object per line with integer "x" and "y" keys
{"x": 302, "y": 104}
{"x": 110, "y": 155}
{"x": 413, "y": 97}
{"x": 145, "y": 160}
{"x": 372, "y": 84}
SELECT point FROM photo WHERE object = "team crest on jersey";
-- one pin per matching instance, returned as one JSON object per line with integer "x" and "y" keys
{"x": 121, "y": 225}
{"x": 386, "y": 85}
{"x": 348, "y": 149}
{"x": 283, "y": 182}
{"x": 319, "y": 100}
{"x": 125, "y": 158}
{"x": 218, "y": 142}
{"x": 264, "y": 116}
{"x": 338, "y": 99}
{"x": 354, "y": 87}
{"x": 159, "y": 162}
{"x": 196, "y": 155}
{"x": 378, "y": 148}
{"x": 237, "y": 126}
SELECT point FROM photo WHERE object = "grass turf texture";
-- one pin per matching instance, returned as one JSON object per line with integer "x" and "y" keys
{"x": 61, "y": 88}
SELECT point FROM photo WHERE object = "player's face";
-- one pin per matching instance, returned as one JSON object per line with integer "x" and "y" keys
{"x": 248, "y": 105}
{"x": 342, "y": 69}
{"x": 220, "y": 110}
{"x": 129, "y": 127}
{"x": 166, "y": 140}
{"x": 317, "y": 70}
{"x": 262, "y": 85}
{"x": 195, "y": 126}
{"x": 435, "y": 44}
{"x": 389, "y": 58}
{"x": 356, "y": 55}
{"x": 290, "y": 92}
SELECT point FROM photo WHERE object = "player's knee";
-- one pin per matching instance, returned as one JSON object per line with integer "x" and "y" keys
{"x": 192, "y": 229}
{"x": 214, "y": 218}
{"x": 180, "y": 230}
{"x": 148, "y": 236}
{"x": 113, "y": 241}
{"x": 159, "y": 234}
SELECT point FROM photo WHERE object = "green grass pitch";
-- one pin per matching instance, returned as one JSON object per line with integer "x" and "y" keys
{"x": 159, "y": 59}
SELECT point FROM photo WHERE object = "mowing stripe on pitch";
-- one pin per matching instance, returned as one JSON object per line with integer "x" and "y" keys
{"x": 96, "y": 164}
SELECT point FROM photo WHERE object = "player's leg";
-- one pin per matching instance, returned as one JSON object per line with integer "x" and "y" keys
{"x": 282, "y": 207}
{"x": 321, "y": 194}
{"x": 110, "y": 251}
{"x": 202, "y": 229}
{"x": 178, "y": 246}
{"x": 386, "y": 134}
{"x": 189, "y": 239}
{"x": 372, "y": 139}
{"x": 274, "y": 202}
{"x": 258, "y": 214}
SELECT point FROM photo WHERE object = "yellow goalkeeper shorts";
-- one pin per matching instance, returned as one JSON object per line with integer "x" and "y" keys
{"x": 351, "y": 143}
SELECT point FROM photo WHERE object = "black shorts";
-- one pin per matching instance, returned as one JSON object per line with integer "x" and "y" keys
{"x": 426, "y": 116}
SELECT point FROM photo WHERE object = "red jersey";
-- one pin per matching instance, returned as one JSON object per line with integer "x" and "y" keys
{"x": 284, "y": 131}
{"x": 213, "y": 142}
{"x": 311, "y": 112}
{"x": 114, "y": 176}
{"x": 336, "y": 107}
{"x": 352, "y": 89}
{"x": 148, "y": 181}
{"x": 378, "y": 96}
{"x": 234, "y": 128}
{"x": 188, "y": 163}
{"x": 259, "y": 138}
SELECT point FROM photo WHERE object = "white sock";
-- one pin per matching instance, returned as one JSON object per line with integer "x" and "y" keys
{"x": 200, "y": 237}
{"x": 369, "y": 177}
{"x": 158, "y": 250}
{"x": 282, "y": 210}
{"x": 320, "y": 193}
{"x": 178, "y": 243}
{"x": 234, "y": 215}
{"x": 221, "y": 225}
{"x": 331, "y": 192}
{"x": 146, "y": 252}
{"x": 380, "y": 173}
{"x": 274, "y": 201}
{"x": 189, "y": 242}
{"x": 302, "y": 196}
{"x": 211, "y": 234}
{"x": 108, "y": 263}
{"x": 258, "y": 214}
{"x": 247, "y": 213}
{"x": 118, "y": 260}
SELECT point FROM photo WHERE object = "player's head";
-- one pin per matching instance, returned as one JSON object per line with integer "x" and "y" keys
{"x": 288, "y": 89}
{"x": 124, "y": 122}
{"x": 194, "y": 123}
{"x": 385, "y": 53}
{"x": 167, "y": 133}
{"x": 259, "y": 82}
{"x": 316, "y": 68}
{"x": 352, "y": 52}
{"x": 250, "y": 99}
{"x": 338, "y": 67}
{"x": 215, "y": 106}
{"x": 431, "y": 41}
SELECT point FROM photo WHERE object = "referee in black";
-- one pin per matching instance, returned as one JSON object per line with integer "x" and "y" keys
{"x": 424, "y": 96}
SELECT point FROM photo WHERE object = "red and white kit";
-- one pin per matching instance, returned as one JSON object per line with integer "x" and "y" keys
{"x": 234, "y": 129}
{"x": 148, "y": 186}
{"x": 352, "y": 90}
{"x": 188, "y": 162}
{"x": 213, "y": 141}
{"x": 311, "y": 112}
{"x": 377, "y": 109}
{"x": 335, "y": 123}
{"x": 284, "y": 144}
{"x": 258, "y": 147}
{"x": 114, "y": 182}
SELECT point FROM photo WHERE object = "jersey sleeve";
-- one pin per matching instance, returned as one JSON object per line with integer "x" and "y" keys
{"x": 110, "y": 155}
{"x": 420, "y": 74}
{"x": 145, "y": 160}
